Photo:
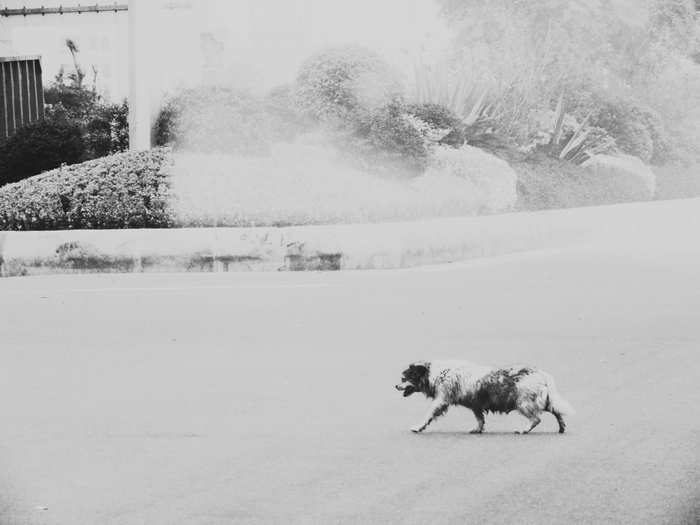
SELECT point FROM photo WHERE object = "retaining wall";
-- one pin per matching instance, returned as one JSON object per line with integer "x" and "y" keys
{"x": 343, "y": 247}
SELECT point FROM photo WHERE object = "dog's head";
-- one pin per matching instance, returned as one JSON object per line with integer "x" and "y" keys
{"x": 414, "y": 378}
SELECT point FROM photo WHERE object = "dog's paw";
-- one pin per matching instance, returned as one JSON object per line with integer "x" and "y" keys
{"x": 476, "y": 430}
{"x": 417, "y": 429}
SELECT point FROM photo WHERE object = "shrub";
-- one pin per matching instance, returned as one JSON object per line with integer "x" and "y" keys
{"x": 212, "y": 119}
{"x": 677, "y": 182}
{"x": 339, "y": 81}
{"x": 440, "y": 117}
{"x": 546, "y": 183}
{"x": 73, "y": 102}
{"x": 492, "y": 181}
{"x": 384, "y": 139}
{"x": 126, "y": 190}
{"x": 637, "y": 130}
{"x": 285, "y": 120}
{"x": 107, "y": 130}
{"x": 40, "y": 146}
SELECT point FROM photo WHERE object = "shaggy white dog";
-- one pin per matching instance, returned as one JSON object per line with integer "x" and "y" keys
{"x": 482, "y": 389}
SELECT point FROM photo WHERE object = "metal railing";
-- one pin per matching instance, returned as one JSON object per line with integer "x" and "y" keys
{"x": 25, "y": 11}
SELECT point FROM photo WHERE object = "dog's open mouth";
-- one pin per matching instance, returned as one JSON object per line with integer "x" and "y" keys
{"x": 408, "y": 390}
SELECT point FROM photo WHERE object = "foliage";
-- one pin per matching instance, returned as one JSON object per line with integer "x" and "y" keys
{"x": 107, "y": 129}
{"x": 40, "y": 146}
{"x": 443, "y": 118}
{"x": 527, "y": 49}
{"x": 492, "y": 182}
{"x": 286, "y": 121}
{"x": 214, "y": 119}
{"x": 440, "y": 84}
{"x": 104, "y": 125}
{"x": 386, "y": 139}
{"x": 637, "y": 130}
{"x": 548, "y": 183}
{"x": 340, "y": 81}
{"x": 126, "y": 190}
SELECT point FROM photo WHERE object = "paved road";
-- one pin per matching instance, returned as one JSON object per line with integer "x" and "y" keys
{"x": 269, "y": 399}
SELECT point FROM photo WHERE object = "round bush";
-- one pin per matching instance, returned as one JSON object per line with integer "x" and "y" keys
{"x": 40, "y": 146}
{"x": 339, "y": 81}
{"x": 212, "y": 119}
{"x": 126, "y": 190}
{"x": 492, "y": 180}
{"x": 638, "y": 130}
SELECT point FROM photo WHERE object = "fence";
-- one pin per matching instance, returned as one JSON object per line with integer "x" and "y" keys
{"x": 21, "y": 93}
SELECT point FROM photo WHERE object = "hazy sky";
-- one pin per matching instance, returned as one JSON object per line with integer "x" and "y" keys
{"x": 386, "y": 24}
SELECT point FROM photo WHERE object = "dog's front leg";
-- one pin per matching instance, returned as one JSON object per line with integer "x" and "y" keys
{"x": 437, "y": 409}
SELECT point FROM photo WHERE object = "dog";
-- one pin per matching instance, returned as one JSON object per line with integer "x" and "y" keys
{"x": 483, "y": 389}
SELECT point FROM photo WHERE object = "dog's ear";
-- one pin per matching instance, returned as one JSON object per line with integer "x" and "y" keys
{"x": 420, "y": 368}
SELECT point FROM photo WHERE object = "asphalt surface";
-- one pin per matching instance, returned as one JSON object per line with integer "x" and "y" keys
{"x": 268, "y": 398}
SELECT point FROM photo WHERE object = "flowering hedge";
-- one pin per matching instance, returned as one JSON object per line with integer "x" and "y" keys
{"x": 126, "y": 190}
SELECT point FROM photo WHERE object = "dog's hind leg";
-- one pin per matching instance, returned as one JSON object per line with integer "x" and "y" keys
{"x": 437, "y": 409}
{"x": 560, "y": 420}
{"x": 479, "y": 415}
{"x": 534, "y": 420}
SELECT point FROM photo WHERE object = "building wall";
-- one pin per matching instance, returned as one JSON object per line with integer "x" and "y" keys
{"x": 103, "y": 43}
{"x": 21, "y": 96}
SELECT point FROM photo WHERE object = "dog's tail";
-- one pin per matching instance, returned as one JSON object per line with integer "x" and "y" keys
{"x": 557, "y": 403}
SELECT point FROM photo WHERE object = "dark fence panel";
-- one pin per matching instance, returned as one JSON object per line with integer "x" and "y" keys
{"x": 21, "y": 93}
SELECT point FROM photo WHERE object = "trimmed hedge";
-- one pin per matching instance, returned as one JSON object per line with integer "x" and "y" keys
{"x": 547, "y": 183}
{"x": 677, "y": 182}
{"x": 126, "y": 190}
{"x": 491, "y": 181}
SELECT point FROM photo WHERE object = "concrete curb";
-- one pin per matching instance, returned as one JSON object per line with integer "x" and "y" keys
{"x": 343, "y": 247}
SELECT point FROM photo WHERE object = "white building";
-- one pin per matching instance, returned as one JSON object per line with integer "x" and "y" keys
{"x": 253, "y": 44}
{"x": 103, "y": 43}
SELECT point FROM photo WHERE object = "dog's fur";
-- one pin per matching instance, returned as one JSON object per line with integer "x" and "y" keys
{"x": 484, "y": 389}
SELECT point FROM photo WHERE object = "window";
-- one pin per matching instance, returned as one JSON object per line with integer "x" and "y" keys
{"x": 105, "y": 44}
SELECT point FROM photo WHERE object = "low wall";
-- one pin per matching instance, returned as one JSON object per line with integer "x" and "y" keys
{"x": 343, "y": 247}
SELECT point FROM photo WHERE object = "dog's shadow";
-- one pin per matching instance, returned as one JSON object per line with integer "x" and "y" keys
{"x": 496, "y": 434}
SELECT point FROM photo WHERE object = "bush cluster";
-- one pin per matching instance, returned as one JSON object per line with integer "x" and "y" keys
{"x": 78, "y": 126}
{"x": 637, "y": 129}
{"x": 126, "y": 190}
{"x": 443, "y": 118}
{"x": 213, "y": 119}
{"x": 339, "y": 81}
{"x": 383, "y": 139}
